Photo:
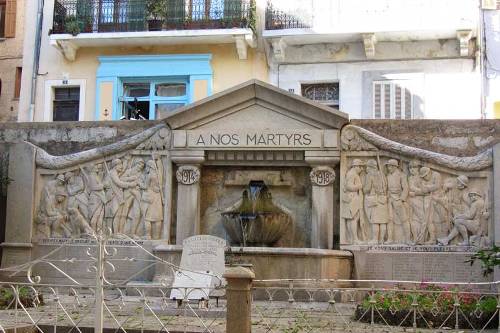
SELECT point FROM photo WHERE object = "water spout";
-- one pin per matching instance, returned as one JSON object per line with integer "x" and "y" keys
{"x": 256, "y": 221}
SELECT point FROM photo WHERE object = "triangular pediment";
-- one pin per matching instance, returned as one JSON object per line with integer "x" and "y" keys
{"x": 255, "y": 104}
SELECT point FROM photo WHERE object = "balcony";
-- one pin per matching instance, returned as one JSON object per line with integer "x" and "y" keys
{"x": 95, "y": 23}
{"x": 294, "y": 22}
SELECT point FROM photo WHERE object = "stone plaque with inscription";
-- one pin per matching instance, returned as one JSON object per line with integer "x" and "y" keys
{"x": 416, "y": 266}
{"x": 298, "y": 138}
{"x": 202, "y": 266}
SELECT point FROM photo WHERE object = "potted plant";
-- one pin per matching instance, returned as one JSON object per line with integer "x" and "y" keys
{"x": 72, "y": 25}
{"x": 156, "y": 13}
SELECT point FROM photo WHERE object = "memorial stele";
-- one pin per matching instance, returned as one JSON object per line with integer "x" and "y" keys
{"x": 258, "y": 158}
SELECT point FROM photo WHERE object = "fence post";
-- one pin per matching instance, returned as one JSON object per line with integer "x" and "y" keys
{"x": 99, "y": 290}
{"x": 239, "y": 299}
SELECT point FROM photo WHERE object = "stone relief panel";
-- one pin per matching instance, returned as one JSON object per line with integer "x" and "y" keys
{"x": 121, "y": 193}
{"x": 391, "y": 195}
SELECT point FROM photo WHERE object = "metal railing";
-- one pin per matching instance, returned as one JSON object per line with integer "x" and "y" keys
{"x": 97, "y": 16}
{"x": 374, "y": 306}
{"x": 289, "y": 15}
{"x": 77, "y": 305}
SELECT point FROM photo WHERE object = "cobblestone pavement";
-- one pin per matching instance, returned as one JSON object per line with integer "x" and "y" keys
{"x": 161, "y": 315}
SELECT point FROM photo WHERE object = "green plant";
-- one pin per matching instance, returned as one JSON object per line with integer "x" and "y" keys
{"x": 28, "y": 297}
{"x": 156, "y": 9}
{"x": 252, "y": 24}
{"x": 489, "y": 258}
{"x": 72, "y": 25}
{"x": 300, "y": 324}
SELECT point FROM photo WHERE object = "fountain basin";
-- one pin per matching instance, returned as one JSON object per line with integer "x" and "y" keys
{"x": 263, "y": 229}
{"x": 255, "y": 220}
{"x": 270, "y": 263}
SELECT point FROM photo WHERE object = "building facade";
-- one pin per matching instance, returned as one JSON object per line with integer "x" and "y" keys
{"x": 491, "y": 54}
{"x": 11, "y": 55}
{"x": 379, "y": 59}
{"x": 109, "y": 59}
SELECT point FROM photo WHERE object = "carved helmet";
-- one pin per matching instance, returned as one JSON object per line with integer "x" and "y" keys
{"x": 61, "y": 177}
{"x": 116, "y": 162}
{"x": 392, "y": 162}
{"x": 464, "y": 180}
{"x": 414, "y": 164}
{"x": 371, "y": 163}
{"x": 424, "y": 171}
{"x": 357, "y": 162}
{"x": 151, "y": 164}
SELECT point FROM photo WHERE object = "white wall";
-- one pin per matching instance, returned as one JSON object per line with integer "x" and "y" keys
{"x": 492, "y": 55}
{"x": 450, "y": 87}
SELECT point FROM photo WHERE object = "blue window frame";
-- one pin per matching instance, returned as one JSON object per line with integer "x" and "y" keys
{"x": 174, "y": 73}
{"x": 154, "y": 97}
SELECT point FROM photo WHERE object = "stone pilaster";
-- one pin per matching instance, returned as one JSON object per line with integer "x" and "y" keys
{"x": 322, "y": 179}
{"x": 188, "y": 202}
{"x": 323, "y": 197}
{"x": 20, "y": 206}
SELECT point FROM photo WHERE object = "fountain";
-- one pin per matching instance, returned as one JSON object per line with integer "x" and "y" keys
{"x": 256, "y": 220}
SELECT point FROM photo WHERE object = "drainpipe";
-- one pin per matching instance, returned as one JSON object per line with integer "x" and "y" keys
{"x": 36, "y": 58}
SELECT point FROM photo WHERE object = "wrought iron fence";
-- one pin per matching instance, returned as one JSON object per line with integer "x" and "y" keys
{"x": 283, "y": 306}
{"x": 374, "y": 306}
{"x": 289, "y": 14}
{"x": 120, "y": 304}
{"x": 95, "y": 16}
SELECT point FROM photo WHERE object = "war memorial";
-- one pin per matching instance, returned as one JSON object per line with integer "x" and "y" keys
{"x": 289, "y": 191}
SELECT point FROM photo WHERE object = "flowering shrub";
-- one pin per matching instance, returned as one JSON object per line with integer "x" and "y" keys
{"x": 433, "y": 305}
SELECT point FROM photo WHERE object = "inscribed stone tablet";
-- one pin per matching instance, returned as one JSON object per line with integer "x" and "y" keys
{"x": 203, "y": 253}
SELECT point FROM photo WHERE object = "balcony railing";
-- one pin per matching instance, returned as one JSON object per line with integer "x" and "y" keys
{"x": 96, "y": 16}
{"x": 288, "y": 14}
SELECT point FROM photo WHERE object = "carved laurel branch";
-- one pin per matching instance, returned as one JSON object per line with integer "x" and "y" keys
{"x": 478, "y": 162}
{"x": 47, "y": 161}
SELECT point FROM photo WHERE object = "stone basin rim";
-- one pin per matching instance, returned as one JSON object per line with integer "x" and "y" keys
{"x": 269, "y": 251}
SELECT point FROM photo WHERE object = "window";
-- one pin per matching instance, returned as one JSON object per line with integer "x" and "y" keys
{"x": 152, "y": 99}
{"x": 2, "y": 18}
{"x": 324, "y": 93}
{"x": 17, "y": 87}
{"x": 392, "y": 100}
{"x": 66, "y": 104}
{"x": 8, "y": 18}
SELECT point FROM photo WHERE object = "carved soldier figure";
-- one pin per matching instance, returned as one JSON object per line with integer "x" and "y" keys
{"x": 397, "y": 189}
{"x": 151, "y": 202}
{"x": 97, "y": 197}
{"x": 471, "y": 221}
{"x": 77, "y": 197}
{"x": 416, "y": 201}
{"x": 58, "y": 219}
{"x": 114, "y": 186}
{"x": 375, "y": 202}
{"x": 52, "y": 202}
{"x": 131, "y": 216}
{"x": 434, "y": 209}
{"x": 352, "y": 200}
{"x": 459, "y": 196}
